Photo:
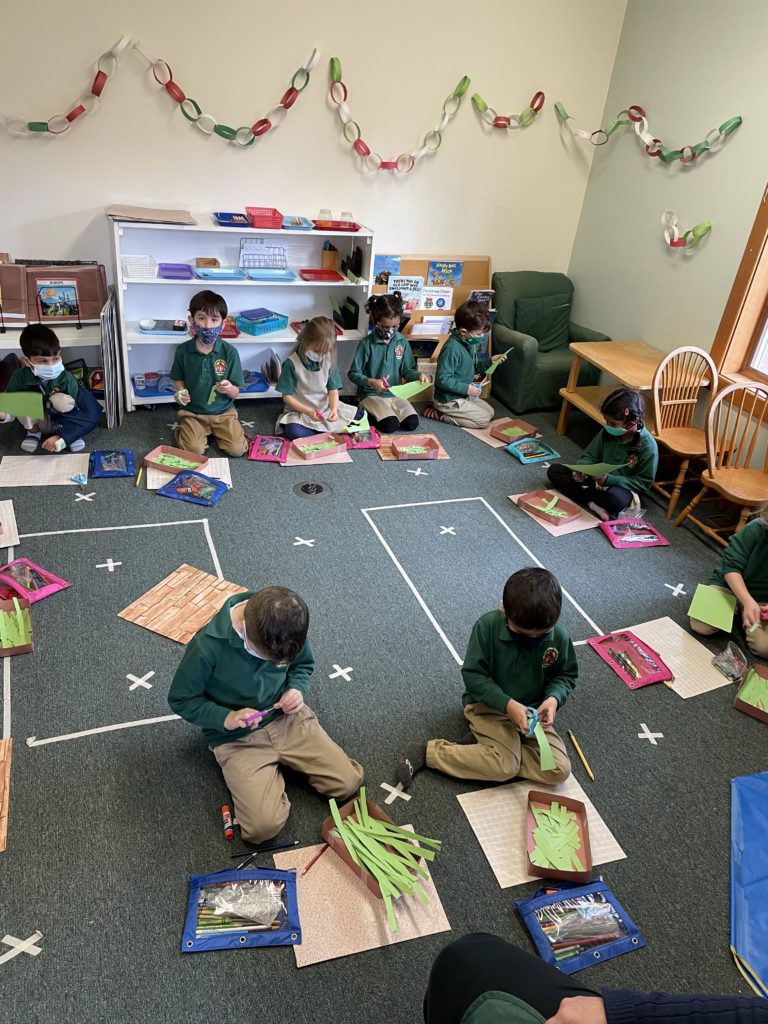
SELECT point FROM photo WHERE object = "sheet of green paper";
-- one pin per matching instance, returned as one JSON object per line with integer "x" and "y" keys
{"x": 22, "y": 403}
{"x": 357, "y": 426}
{"x": 548, "y": 763}
{"x": 714, "y": 607}
{"x": 595, "y": 468}
{"x": 409, "y": 390}
{"x": 754, "y": 691}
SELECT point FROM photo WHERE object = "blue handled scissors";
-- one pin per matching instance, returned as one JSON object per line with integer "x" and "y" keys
{"x": 533, "y": 721}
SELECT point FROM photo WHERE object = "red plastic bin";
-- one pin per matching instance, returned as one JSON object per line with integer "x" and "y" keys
{"x": 264, "y": 217}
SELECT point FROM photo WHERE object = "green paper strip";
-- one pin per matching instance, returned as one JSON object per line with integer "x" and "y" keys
{"x": 335, "y": 69}
{"x": 406, "y": 391}
{"x": 548, "y": 762}
{"x": 713, "y": 606}
{"x": 493, "y": 367}
{"x": 595, "y": 468}
{"x": 479, "y": 103}
{"x": 22, "y": 403}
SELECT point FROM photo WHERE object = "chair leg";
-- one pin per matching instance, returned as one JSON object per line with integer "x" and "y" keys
{"x": 691, "y": 506}
{"x": 743, "y": 517}
{"x": 679, "y": 480}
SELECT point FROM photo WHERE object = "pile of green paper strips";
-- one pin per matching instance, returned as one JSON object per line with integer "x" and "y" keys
{"x": 754, "y": 691}
{"x": 389, "y": 853}
{"x": 550, "y": 509}
{"x": 556, "y": 838}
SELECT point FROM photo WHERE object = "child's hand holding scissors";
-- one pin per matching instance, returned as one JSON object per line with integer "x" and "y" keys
{"x": 291, "y": 702}
{"x": 547, "y": 711}
{"x": 517, "y": 713}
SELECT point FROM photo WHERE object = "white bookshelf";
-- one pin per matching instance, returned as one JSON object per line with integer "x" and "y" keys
{"x": 140, "y": 298}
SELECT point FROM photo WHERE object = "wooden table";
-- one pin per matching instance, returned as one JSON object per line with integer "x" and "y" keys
{"x": 632, "y": 363}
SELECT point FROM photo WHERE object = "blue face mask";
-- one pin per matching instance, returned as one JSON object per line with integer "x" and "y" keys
{"x": 614, "y": 431}
{"x": 386, "y": 333}
{"x": 207, "y": 335}
{"x": 49, "y": 372}
{"x": 528, "y": 643}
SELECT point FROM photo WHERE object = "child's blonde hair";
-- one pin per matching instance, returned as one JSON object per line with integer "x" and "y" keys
{"x": 763, "y": 514}
{"x": 317, "y": 335}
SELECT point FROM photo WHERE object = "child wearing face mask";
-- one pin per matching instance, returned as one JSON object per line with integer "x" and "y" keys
{"x": 69, "y": 410}
{"x": 457, "y": 397}
{"x": 207, "y": 375}
{"x": 310, "y": 382}
{"x": 624, "y": 441}
{"x": 517, "y": 657}
{"x": 242, "y": 679}
{"x": 383, "y": 359}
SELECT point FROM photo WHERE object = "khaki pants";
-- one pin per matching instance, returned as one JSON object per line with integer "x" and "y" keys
{"x": 466, "y": 412}
{"x": 757, "y": 640}
{"x": 251, "y": 768}
{"x": 500, "y": 754}
{"x": 194, "y": 428}
{"x": 382, "y": 407}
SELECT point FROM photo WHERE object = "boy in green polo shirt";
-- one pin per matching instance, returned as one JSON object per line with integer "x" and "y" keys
{"x": 207, "y": 375}
{"x": 517, "y": 658}
{"x": 242, "y": 680}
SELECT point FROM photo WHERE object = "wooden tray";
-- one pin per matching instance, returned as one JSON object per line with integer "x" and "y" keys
{"x": 509, "y": 430}
{"x": 546, "y": 800}
{"x": 532, "y": 501}
{"x": 405, "y": 441}
{"x": 337, "y": 845}
{"x": 198, "y": 461}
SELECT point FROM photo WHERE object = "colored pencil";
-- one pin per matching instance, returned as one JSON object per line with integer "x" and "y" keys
{"x": 138, "y": 475}
{"x": 581, "y": 755}
{"x": 317, "y": 857}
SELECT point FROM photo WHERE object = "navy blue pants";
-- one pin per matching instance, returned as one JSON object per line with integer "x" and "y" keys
{"x": 80, "y": 421}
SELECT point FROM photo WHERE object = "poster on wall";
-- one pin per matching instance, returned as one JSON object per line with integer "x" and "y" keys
{"x": 410, "y": 289}
{"x": 445, "y": 273}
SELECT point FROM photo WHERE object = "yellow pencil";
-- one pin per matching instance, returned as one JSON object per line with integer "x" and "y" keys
{"x": 581, "y": 755}
{"x": 138, "y": 475}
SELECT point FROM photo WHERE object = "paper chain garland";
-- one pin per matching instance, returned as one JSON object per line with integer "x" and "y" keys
{"x": 521, "y": 120}
{"x": 653, "y": 146}
{"x": 208, "y": 124}
{"x": 370, "y": 160}
{"x": 58, "y": 124}
{"x": 688, "y": 241}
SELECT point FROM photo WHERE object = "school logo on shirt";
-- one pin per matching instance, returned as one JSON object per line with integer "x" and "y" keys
{"x": 632, "y": 460}
{"x": 399, "y": 351}
{"x": 550, "y": 657}
{"x": 220, "y": 367}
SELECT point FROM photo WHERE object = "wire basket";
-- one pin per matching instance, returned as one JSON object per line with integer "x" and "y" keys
{"x": 139, "y": 266}
{"x": 258, "y": 255}
{"x": 277, "y": 323}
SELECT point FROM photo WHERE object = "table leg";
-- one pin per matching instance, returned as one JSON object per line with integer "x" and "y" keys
{"x": 573, "y": 379}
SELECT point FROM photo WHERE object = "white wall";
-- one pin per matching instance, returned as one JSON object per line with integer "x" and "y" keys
{"x": 514, "y": 195}
{"x": 692, "y": 64}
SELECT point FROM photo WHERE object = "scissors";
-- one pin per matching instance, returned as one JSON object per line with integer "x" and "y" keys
{"x": 533, "y": 721}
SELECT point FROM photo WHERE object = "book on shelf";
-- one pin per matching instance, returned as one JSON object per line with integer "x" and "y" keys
{"x": 482, "y": 295}
{"x": 410, "y": 289}
{"x": 445, "y": 273}
{"x": 436, "y": 298}
{"x": 385, "y": 267}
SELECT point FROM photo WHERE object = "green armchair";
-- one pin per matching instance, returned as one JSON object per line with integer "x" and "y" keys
{"x": 533, "y": 325}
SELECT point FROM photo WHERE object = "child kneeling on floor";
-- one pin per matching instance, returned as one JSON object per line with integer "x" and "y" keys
{"x": 69, "y": 410}
{"x": 253, "y": 656}
{"x": 457, "y": 396}
{"x": 743, "y": 571}
{"x": 517, "y": 657}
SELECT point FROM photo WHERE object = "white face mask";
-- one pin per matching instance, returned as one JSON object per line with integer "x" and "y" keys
{"x": 48, "y": 371}
{"x": 316, "y": 357}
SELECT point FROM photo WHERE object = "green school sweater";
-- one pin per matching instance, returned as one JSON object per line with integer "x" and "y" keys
{"x": 496, "y": 667}
{"x": 217, "y": 675}
{"x": 456, "y": 369}
{"x": 200, "y": 372}
{"x": 747, "y": 553}
{"x": 640, "y": 474}
{"x": 375, "y": 358}
{"x": 25, "y": 380}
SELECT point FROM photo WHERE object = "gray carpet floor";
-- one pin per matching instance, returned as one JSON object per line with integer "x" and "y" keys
{"x": 105, "y": 829}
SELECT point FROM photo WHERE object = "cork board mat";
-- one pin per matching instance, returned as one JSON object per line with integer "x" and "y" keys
{"x": 586, "y": 520}
{"x": 386, "y": 453}
{"x": 354, "y": 920}
{"x": 484, "y": 435}
{"x": 5, "y": 789}
{"x": 181, "y": 603}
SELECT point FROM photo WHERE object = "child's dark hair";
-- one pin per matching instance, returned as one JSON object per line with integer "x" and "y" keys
{"x": 472, "y": 316}
{"x": 625, "y": 405}
{"x": 533, "y": 599}
{"x": 39, "y": 340}
{"x": 208, "y": 302}
{"x": 381, "y": 307}
{"x": 276, "y": 623}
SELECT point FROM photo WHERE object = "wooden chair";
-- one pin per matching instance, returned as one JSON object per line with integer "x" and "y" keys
{"x": 735, "y": 419}
{"x": 677, "y": 383}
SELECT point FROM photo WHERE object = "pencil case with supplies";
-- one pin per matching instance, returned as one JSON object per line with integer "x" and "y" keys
{"x": 633, "y": 661}
{"x": 578, "y": 926}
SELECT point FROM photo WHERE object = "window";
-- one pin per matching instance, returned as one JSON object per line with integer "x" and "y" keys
{"x": 758, "y": 358}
